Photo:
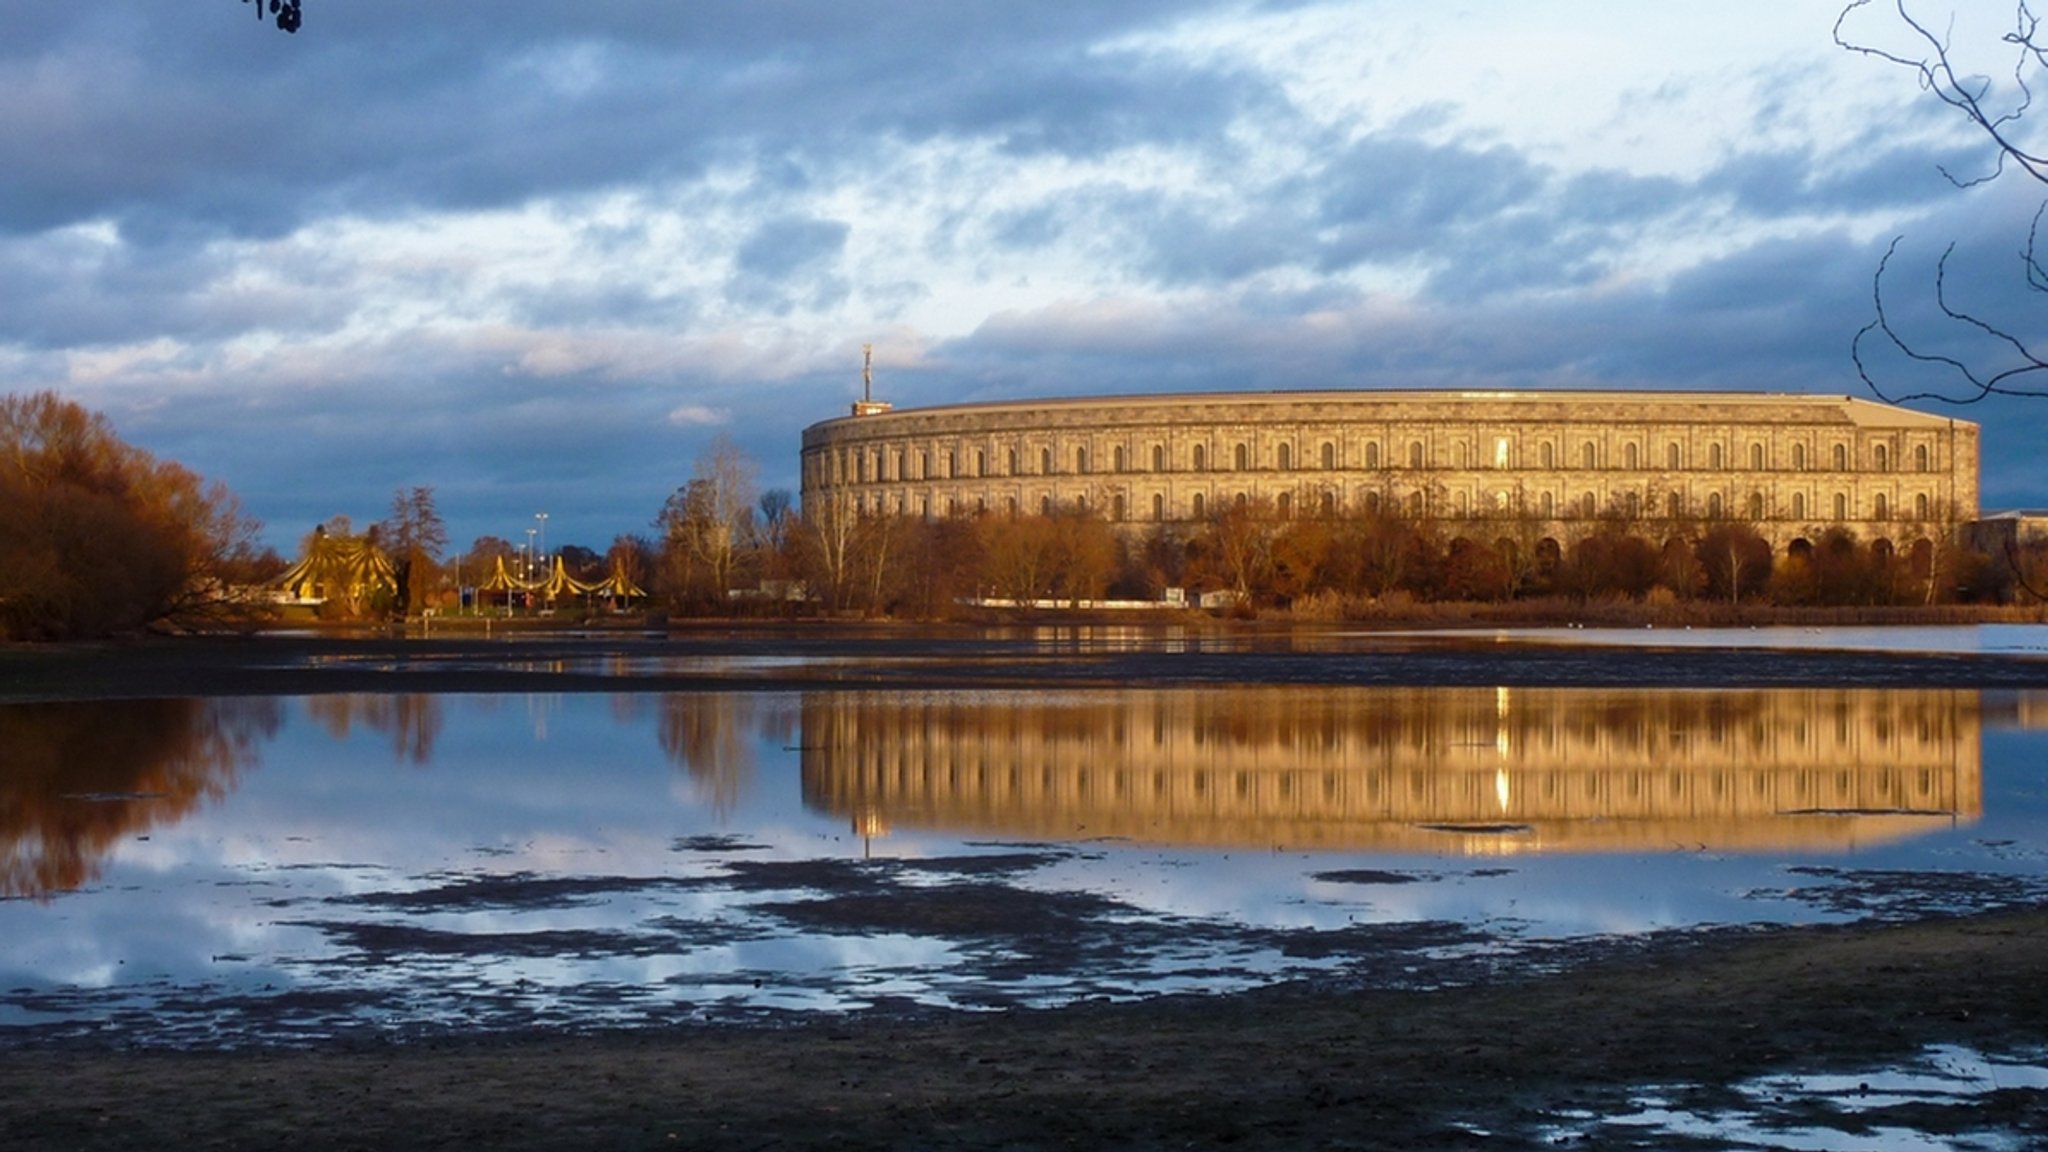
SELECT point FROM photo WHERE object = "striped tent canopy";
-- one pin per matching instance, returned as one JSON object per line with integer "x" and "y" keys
{"x": 558, "y": 583}
{"x": 347, "y": 568}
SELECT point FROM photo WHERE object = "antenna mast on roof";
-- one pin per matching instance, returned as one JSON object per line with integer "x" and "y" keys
{"x": 867, "y": 405}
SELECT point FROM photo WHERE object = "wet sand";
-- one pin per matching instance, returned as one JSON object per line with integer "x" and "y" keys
{"x": 1490, "y": 1065}
{"x": 1285, "y": 1067}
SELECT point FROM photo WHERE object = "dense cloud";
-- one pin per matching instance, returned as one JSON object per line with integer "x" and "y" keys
{"x": 537, "y": 254}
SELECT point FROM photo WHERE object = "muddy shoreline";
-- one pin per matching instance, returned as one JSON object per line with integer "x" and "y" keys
{"x": 1500, "y": 1065}
{"x": 1513, "y": 1058}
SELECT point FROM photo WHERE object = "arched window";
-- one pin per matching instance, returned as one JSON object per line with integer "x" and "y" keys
{"x": 1589, "y": 456}
{"x": 1672, "y": 456}
{"x": 1630, "y": 454}
{"x": 1756, "y": 457}
{"x": 1920, "y": 460}
{"x": 1010, "y": 505}
{"x": 1081, "y": 459}
{"x": 1116, "y": 507}
{"x": 1285, "y": 503}
{"x": 1676, "y": 504}
{"x": 1200, "y": 510}
{"x": 1881, "y": 455}
{"x": 1244, "y": 457}
{"x": 1013, "y": 462}
{"x": 952, "y": 463}
{"x": 1841, "y": 457}
{"x": 1799, "y": 457}
{"x": 1372, "y": 502}
{"x": 1589, "y": 506}
{"x": 980, "y": 462}
{"x": 1879, "y": 510}
{"x": 1329, "y": 455}
{"x": 1117, "y": 459}
{"x": 1372, "y": 454}
{"x": 1283, "y": 457}
{"x": 1799, "y": 505}
{"x": 1329, "y": 503}
{"x": 1158, "y": 506}
{"x": 1841, "y": 505}
{"x": 1159, "y": 457}
{"x": 1715, "y": 459}
{"x": 1415, "y": 454}
{"x": 1548, "y": 502}
{"x": 1920, "y": 506}
{"x": 924, "y": 465}
{"x": 1549, "y": 455}
{"x": 1045, "y": 461}
{"x": 1756, "y": 506}
{"x": 1201, "y": 459}
{"x": 1045, "y": 505}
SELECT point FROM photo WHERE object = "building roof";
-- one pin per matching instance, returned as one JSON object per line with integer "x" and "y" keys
{"x": 1849, "y": 409}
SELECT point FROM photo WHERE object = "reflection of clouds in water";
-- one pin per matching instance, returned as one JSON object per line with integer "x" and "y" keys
{"x": 605, "y": 796}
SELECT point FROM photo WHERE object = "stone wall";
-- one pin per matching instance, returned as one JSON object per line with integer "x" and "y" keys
{"x": 1793, "y": 465}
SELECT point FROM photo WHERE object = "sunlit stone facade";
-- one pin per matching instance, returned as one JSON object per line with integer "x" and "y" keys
{"x": 1793, "y": 465}
{"x": 1479, "y": 771}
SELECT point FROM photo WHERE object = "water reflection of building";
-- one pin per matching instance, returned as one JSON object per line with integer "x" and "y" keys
{"x": 1475, "y": 770}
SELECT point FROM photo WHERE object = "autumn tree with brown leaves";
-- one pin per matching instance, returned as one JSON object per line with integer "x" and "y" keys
{"x": 99, "y": 537}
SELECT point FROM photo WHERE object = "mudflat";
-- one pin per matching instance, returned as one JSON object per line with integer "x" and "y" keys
{"x": 1498, "y": 1065}
{"x": 1502, "y": 1061}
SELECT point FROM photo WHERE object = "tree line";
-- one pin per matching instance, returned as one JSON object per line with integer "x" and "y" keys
{"x": 720, "y": 548}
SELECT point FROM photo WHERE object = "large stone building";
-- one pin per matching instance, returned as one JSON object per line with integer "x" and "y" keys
{"x": 1792, "y": 465}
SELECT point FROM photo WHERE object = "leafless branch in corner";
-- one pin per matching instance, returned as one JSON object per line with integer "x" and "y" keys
{"x": 2025, "y": 372}
{"x": 2010, "y": 367}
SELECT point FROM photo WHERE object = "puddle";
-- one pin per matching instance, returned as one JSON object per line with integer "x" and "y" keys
{"x": 1946, "y": 1098}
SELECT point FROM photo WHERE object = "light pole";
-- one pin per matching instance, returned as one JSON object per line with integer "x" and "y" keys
{"x": 526, "y": 568}
{"x": 543, "y": 518}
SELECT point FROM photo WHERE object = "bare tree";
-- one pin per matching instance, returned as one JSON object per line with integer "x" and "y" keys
{"x": 710, "y": 520}
{"x": 1997, "y": 362}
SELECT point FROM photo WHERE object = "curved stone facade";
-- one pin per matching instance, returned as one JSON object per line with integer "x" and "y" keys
{"x": 1793, "y": 465}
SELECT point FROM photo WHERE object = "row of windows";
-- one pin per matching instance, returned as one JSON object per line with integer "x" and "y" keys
{"x": 1547, "y": 505}
{"x": 874, "y": 465}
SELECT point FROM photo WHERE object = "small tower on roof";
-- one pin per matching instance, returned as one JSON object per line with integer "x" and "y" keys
{"x": 867, "y": 405}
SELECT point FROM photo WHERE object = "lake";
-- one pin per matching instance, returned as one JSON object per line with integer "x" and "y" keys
{"x": 225, "y": 871}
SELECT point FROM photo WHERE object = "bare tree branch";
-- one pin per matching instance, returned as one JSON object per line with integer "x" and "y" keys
{"x": 2009, "y": 366}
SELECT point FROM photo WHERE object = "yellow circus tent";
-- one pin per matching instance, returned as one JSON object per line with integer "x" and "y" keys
{"x": 619, "y": 586}
{"x": 503, "y": 581}
{"x": 558, "y": 583}
{"x": 347, "y": 568}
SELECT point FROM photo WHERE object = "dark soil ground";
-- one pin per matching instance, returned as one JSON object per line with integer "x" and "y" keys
{"x": 1490, "y": 1065}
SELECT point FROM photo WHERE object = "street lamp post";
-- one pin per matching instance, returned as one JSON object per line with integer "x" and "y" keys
{"x": 545, "y": 564}
{"x": 526, "y": 568}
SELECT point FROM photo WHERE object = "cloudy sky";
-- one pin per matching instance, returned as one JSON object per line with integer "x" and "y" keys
{"x": 538, "y": 254}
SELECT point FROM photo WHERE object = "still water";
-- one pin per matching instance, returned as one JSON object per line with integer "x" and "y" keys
{"x": 240, "y": 870}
